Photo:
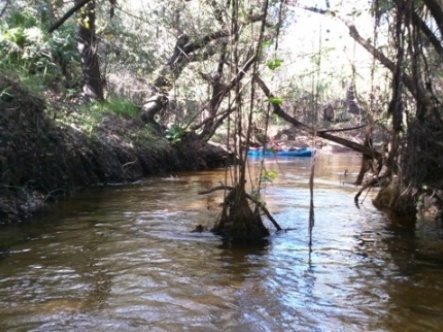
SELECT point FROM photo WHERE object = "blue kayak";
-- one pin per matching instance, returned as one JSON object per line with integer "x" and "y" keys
{"x": 289, "y": 153}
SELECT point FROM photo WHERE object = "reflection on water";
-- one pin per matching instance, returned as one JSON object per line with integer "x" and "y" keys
{"x": 123, "y": 259}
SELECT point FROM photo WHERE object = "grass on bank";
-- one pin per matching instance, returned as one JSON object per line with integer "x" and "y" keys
{"x": 115, "y": 117}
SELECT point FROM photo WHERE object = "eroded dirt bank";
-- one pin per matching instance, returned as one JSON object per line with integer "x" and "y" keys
{"x": 43, "y": 160}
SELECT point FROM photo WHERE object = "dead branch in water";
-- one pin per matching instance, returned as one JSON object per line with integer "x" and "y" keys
{"x": 311, "y": 201}
{"x": 369, "y": 185}
{"x": 251, "y": 198}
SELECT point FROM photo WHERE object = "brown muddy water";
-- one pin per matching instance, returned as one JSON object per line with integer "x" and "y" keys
{"x": 122, "y": 258}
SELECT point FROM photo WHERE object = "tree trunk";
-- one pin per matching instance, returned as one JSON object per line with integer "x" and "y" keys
{"x": 366, "y": 162}
{"x": 238, "y": 221}
{"x": 87, "y": 47}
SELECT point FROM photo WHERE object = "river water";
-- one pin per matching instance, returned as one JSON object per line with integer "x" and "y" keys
{"x": 123, "y": 258}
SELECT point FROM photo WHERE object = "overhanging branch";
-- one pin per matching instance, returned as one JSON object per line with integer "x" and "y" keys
{"x": 416, "y": 91}
{"x": 4, "y": 8}
{"x": 371, "y": 153}
{"x": 68, "y": 14}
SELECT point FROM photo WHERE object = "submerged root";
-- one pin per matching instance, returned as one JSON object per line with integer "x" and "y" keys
{"x": 240, "y": 218}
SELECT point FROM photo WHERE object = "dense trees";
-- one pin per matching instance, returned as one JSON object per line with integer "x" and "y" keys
{"x": 413, "y": 166}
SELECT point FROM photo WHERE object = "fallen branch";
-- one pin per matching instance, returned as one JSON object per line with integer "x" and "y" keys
{"x": 370, "y": 184}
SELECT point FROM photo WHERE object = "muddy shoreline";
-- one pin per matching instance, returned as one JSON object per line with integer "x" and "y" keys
{"x": 43, "y": 160}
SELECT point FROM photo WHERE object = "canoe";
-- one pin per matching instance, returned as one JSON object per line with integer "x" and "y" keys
{"x": 289, "y": 153}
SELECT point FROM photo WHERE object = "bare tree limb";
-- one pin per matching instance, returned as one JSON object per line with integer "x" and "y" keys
{"x": 181, "y": 57}
{"x": 68, "y": 14}
{"x": 368, "y": 185}
{"x": 4, "y": 8}
{"x": 222, "y": 187}
{"x": 342, "y": 141}
{"x": 437, "y": 12}
{"x": 195, "y": 45}
{"x": 418, "y": 22}
{"x": 340, "y": 130}
{"x": 353, "y": 32}
{"x": 407, "y": 80}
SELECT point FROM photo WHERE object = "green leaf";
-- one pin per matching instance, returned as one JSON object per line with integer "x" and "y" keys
{"x": 175, "y": 133}
{"x": 269, "y": 176}
{"x": 267, "y": 43}
{"x": 274, "y": 64}
{"x": 276, "y": 100}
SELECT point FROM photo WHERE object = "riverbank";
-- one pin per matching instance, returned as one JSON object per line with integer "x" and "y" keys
{"x": 50, "y": 148}
{"x": 46, "y": 155}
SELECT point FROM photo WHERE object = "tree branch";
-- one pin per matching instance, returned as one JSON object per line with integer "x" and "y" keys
{"x": 181, "y": 57}
{"x": 4, "y": 8}
{"x": 418, "y": 22}
{"x": 353, "y": 32}
{"x": 371, "y": 153}
{"x": 340, "y": 130}
{"x": 437, "y": 12}
{"x": 222, "y": 33}
{"x": 407, "y": 80}
{"x": 68, "y": 14}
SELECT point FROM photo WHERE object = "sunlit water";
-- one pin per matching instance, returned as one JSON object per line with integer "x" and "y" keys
{"x": 123, "y": 259}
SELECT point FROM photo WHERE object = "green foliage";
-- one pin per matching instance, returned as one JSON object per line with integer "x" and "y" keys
{"x": 88, "y": 117}
{"x": 26, "y": 49}
{"x": 268, "y": 176}
{"x": 22, "y": 19}
{"x": 276, "y": 100}
{"x": 274, "y": 64}
{"x": 267, "y": 43}
{"x": 130, "y": 43}
{"x": 114, "y": 105}
{"x": 63, "y": 42}
{"x": 176, "y": 133}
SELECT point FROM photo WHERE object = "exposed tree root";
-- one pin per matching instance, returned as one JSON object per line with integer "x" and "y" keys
{"x": 238, "y": 220}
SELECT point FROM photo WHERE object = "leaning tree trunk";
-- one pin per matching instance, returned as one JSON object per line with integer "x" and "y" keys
{"x": 87, "y": 47}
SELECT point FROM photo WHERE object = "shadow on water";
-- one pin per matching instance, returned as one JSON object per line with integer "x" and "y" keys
{"x": 246, "y": 244}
